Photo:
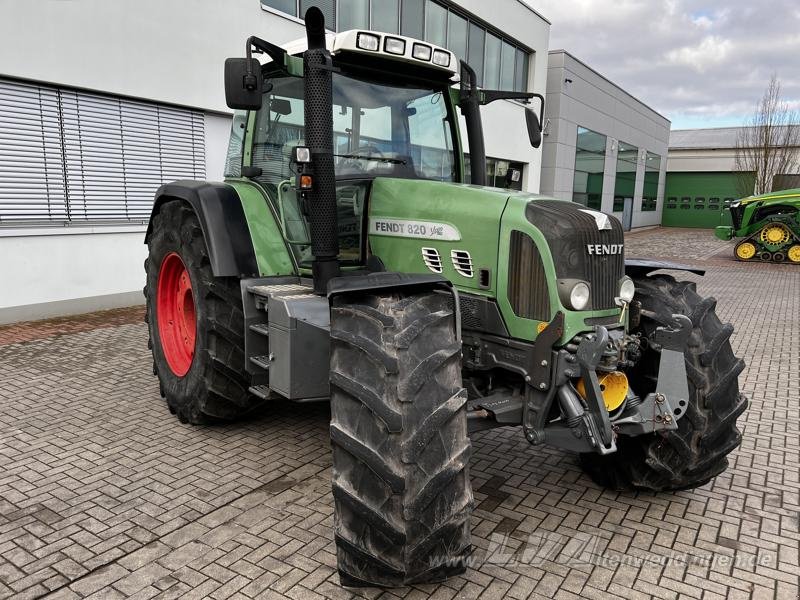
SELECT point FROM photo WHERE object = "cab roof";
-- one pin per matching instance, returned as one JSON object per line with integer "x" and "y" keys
{"x": 379, "y": 45}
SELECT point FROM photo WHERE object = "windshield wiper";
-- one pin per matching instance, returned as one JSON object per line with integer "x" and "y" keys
{"x": 394, "y": 161}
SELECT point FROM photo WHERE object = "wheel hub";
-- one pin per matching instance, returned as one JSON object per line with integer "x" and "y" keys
{"x": 175, "y": 314}
{"x": 775, "y": 235}
{"x": 794, "y": 254}
{"x": 745, "y": 251}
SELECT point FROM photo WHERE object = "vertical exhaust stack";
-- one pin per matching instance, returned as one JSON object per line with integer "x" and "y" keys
{"x": 319, "y": 139}
{"x": 471, "y": 109}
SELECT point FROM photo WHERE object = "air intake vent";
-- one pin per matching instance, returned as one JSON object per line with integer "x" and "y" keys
{"x": 462, "y": 262}
{"x": 527, "y": 282}
{"x": 432, "y": 259}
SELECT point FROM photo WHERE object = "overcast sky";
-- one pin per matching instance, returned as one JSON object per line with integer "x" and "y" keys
{"x": 699, "y": 63}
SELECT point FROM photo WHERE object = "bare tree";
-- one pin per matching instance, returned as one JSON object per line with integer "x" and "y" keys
{"x": 769, "y": 144}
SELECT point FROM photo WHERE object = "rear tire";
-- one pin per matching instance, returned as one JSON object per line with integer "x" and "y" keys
{"x": 214, "y": 385}
{"x": 399, "y": 435}
{"x": 697, "y": 451}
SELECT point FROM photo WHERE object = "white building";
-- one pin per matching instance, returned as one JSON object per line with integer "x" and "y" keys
{"x": 101, "y": 101}
{"x": 602, "y": 147}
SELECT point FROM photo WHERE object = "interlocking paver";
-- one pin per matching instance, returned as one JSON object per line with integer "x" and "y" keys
{"x": 104, "y": 494}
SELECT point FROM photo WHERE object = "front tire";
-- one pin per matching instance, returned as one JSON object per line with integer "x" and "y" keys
{"x": 697, "y": 451}
{"x": 195, "y": 322}
{"x": 399, "y": 435}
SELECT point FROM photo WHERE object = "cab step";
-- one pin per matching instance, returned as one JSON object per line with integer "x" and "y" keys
{"x": 260, "y": 328}
{"x": 262, "y": 391}
{"x": 262, "y": 362}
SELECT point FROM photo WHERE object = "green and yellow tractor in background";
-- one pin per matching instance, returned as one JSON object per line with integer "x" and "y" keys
{"x": 769, "y": 225}
{"x": 348, "y": 258}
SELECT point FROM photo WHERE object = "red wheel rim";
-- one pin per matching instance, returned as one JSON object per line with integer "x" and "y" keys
{"x": 175, "y": 314}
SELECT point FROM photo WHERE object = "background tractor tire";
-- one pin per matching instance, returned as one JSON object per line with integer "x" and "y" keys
{"x": 399, "y": 436}
{"x": 697, "y": 451}
{"x": 204, "y": 381}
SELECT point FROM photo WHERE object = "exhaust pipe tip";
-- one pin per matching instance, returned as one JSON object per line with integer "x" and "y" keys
{"x": 315, "y": 28}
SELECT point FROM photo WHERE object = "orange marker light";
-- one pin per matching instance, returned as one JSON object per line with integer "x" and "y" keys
{"x": 306, "y": 182}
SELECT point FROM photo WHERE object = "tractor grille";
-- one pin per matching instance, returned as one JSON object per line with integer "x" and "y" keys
{"x": 570, "y": 231}
{"x": 737, "y": 212}
{"x": 527, "y": 283}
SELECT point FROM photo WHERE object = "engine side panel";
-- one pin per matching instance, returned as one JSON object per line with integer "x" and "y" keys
{"x": 459, "y": 223}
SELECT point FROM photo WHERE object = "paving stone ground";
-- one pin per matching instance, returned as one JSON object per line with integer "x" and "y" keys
{"x": 103, "y": 494}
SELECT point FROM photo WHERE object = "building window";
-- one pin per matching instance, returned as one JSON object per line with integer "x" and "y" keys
{"x": 498, "y": 62}
{"x": 287, "y": 6}
{"x": 652, "y": 173}
{"x": 413, "y": 18}
{"x": 457, "y": 35}
{"x": 590, "y": 161}
{"x": 477, "y": 41}
{"x": 521, "y": 72}
{"x": 353, "y": 14}
{"x": 491, "y": 62}
{"x": 435, "y": 23}
{"x": 328, "y": 8}
{"x": 386, "y": 15}
{"x": 625, "y": 181}
{"x": 81, "y": 157}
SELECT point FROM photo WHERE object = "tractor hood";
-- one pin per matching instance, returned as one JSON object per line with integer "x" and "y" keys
{"x": 524, "y": 250}
{"x": 456, "y": 230}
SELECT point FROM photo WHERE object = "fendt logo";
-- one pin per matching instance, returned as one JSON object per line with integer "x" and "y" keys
{"x": 602, "y": 249}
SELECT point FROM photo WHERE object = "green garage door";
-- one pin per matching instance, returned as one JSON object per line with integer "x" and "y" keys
{"x": 698, "y": 199}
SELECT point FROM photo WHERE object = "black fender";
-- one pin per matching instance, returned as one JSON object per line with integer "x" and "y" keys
{"x": 222, "y": 220}
{"x": 639, "y": 267}
{"x": 388, "y": 280}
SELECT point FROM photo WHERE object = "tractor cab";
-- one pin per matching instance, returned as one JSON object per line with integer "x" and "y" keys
{"x": 383, "y": 126}
{"x": 386, "y": 123}
{"x": 386, "y": 107}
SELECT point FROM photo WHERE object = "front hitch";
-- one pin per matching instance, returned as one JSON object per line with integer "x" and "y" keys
{"x": 660, "y": 411}
{"x": 587, "y": 426}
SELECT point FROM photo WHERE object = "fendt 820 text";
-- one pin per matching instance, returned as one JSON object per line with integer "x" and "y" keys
{"x": 348, "y": 257}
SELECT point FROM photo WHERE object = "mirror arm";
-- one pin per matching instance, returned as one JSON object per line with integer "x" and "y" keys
{"x": 276, "y": 53}
{"x": 492, "y": 95}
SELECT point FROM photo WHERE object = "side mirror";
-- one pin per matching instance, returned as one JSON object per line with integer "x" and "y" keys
{"x": 534, "y": 128}
{"x": 244, "y": 83}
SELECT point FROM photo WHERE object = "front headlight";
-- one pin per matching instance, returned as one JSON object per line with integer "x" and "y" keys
{"x": 579, "y": 296}
{"x": 627, "y": 289}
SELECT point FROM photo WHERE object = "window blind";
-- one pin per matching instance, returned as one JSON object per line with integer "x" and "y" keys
{"x": 72, "y": 156}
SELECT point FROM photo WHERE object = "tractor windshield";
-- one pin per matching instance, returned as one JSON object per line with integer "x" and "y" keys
{"x": 379, "y": 130}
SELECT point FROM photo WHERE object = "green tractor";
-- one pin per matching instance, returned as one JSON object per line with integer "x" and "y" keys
{"x": 770, "y": 226}
{"x": 348, "y": 258}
